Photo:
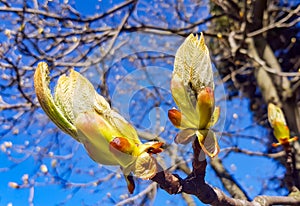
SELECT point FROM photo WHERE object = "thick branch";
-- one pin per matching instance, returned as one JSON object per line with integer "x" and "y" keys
{"x": 195, "y": 184}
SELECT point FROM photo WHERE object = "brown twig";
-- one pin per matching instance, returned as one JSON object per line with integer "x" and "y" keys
{"x": 290, "y": 166}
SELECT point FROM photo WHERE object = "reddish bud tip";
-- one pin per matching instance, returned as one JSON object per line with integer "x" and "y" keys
{"x": 175, "y": 117}
{"x": 121, "y": 144}
{"x": 206, "y": 95}
{"x": 285, "y": 141}
{"x": 156, "y": 148}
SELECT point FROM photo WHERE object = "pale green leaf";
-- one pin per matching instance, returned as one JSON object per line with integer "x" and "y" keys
{"x": 41, "y": 84}
{"x": 96, "y": 134}
{"x": 192, "y": 63}
{"x": 124, "y": 127}
{"x": 184, "y": 100}
{"x": 275, "y": 114}
{"x": 215, "y": 117}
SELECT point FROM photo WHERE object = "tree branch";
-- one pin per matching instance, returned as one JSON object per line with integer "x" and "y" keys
{"x": 195, "y": 184}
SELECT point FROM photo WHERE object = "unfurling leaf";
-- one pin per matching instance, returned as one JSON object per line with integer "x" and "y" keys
{"x": 280, "y": 129}
{"x": 192, "y": 63}
{"x": 41, "y": 84}
{"x": 78, "y": 110}
{"x": 215, "y": 117}
{"x": 192, "y": 88}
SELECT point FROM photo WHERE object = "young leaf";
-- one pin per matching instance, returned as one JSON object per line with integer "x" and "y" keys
{"x": 96, "y": 134}
{"x": 41, "y": 85}
{"x": 109, "y": 139}
{"x": 192, "y": 63}
{"x": 192, "y": 88}
{"x": 183, "y": 99}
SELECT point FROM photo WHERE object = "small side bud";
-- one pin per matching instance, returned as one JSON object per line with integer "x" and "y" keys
{"x": 122, "y": 145}
{"x": 175, "y": 117}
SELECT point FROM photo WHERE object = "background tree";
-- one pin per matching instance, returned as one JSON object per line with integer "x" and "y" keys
{"x": 116, "y": 44}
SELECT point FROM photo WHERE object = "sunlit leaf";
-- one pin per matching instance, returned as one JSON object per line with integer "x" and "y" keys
{"x": 123, "y": 126}
{"x": 215, "y": 117}
{"x": 192, "y": 63}
{"x": 96, "y": 134}
{"x": 192, "y": 88}
{"x": 41, "y": 84}
{"x": 275, "y": 114}
{"x": 208, "y": 142}
{"x": 183, "y": 99}
{"x": 84, "y": 114}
